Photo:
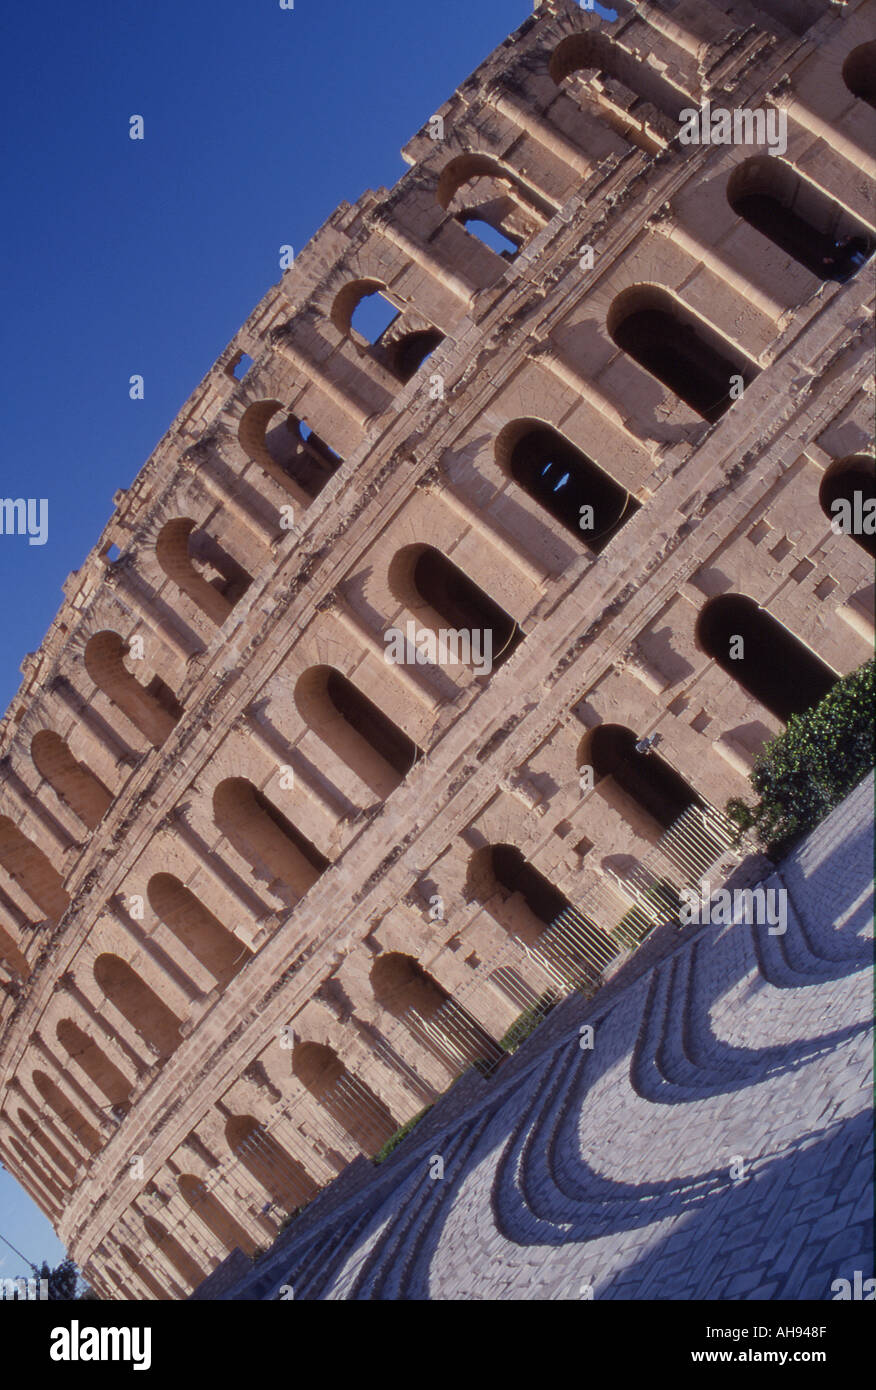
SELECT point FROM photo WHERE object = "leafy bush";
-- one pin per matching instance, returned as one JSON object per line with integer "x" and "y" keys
{"x": 395, "y": 1139}
{"x": 804, "y": 773}
{"x": 528, "y": 1021}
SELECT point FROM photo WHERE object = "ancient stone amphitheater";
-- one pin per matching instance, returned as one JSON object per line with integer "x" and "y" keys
{"x": 263, "y": 894}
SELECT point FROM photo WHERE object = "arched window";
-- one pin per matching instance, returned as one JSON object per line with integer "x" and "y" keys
{"x": 263, "y": 835}
{"x": 565, "y": 482}
{"x": 443, "y": 597}
{"x": 147, "y": 1014}
{"x": 505, "y": 246}
{"x": 60, "y": 1161}
{"x": 655, "y": 787}
{"x": 217, "y": 949}
{"x": 66, "y": 1112}
{"x": 799, "y": 218}
{"x": 289, "y": 451}
{"x": 770, "y": 663}
{"x": 848, "y": 497}
{"x": 40, "y": 1174}
{"x": 369, "y": 742}
{"x": 190, "y": 1272}
{"x": 528, "y": 906}
{"x": 89, "y": 1055}
{"x": 434, "y": 1017}
{"x": 139, "y": 1270}
{"x": 284, "y": 1179}
{"x": 678, "y": 348}
{"x": 348, "y": 1100}
{"x": 73, "y": 782}
{"x": 859, "y": 72}
{"x": 477, "y": 189}
{"x": 212, "y": 1213}
{"x": 407, "y": 354}
{"x": 27, "y": 866}
{"x": 153, "y": 709}
{"x": 597, "y": 66}
{"x": 11, "y": 954}
{"x": 200, "y": 568}
{"x": 362, "y": 311}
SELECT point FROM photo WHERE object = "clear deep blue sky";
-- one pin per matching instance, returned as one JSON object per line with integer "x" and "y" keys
{"x": 124, "y": 257}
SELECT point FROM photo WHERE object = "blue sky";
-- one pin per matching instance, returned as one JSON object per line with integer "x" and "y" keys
{"x": 123, "y": 257}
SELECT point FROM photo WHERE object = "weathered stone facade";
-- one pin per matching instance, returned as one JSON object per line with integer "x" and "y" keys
{"x": 225, "y": 819}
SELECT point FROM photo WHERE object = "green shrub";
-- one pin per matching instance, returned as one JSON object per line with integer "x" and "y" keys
{"x": 395, "y": 1139}
{"x": 803, "y": 774}
{"x": 528, "y": 1021}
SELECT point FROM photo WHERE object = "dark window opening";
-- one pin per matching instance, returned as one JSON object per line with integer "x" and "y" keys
{"x": 679, "y": 349}
{"x": 649, "y": 781}
{"x": 859, "y": 72}
{"x": 851, "y": 481}
{"x": 775, "y": 667}
{"x": 371, "y": 724}
{"x": 408, "y": 354}
{"x": 462, "y": 604}
{"x": 515, "y": 874}
{"x": 569, "y": 485}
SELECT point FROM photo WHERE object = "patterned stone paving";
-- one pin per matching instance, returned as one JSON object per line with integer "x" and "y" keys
{"x": 715, "y": 1142}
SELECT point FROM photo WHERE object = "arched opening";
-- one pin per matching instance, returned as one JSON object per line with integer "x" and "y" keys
{"x": 762, "y": 656}
{"x": 153, "y": 709}
{"x": 137, "y": 1267}
{"x": 77, "y": 787}
{"x": 644, "y": 777}
{"x": 848, "y": 497}
{"x": 478, "y": 190}
{"x": 406, "y": 355}
{"x": 572, "y": 950}
{"x": 859, "y": 72}
{"x": 263, "y": 835}
{"x": 493, "y": 237}
{"x": 437, "y": 1021}
{"x": 565, "y": 482}
{"x": 40, "y": 1174}
{"x": 348, "y": 1100}
{"x": 289, "y": 451}
{"x": 103, "y": 1073}
{"x": 677, "y": 347}
{"x": 286, "y": 1182}
{"x": 190, "y": 1272}
{"x": 217, "y": 949}
{"x": 799, "y": 218}
{"x": 623, "y": 92}
{"x": 10, "y": 953}
{"x": 67, "y": 1113}
{"x": 212, "y": 1213}
{"x": 27, "y": 866}
{"x": 200, "y": 568}
{"x": 421, "y": 574}
{"x": 369, "y": 742}
{"x": 147, "y": 1014}
{"x": 60, "y": 1162}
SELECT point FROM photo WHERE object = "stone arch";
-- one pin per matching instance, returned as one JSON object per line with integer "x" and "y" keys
{"x": 189, "y": 1271}
{"x": 859, "y": 72}
{"x": 349, "y": 298}
{"x": 775, "y": 667}
{"x": 50, "y": 1184}
{"x": 10, "y": 952}
{"x": 66, "y": 1169}
{"x": 847, "y": 496}
{"x": 72, "y": 781}
{"x": 90, "y": 1056}
{"x": 348, "y": 1100}
{"x": 475, "y": 188}
{"x": 442, "y": 595}
{"x": 215, "y": 1216}
{"x": 135, "y": 1264}
{"x": 67, "y": 1113}
{"x": 263, "y": 835}
{"x": 154, "y": 710}
{"x": 147, "y": 1014}
{"x": 218, "y": 950}
{"x": 200, "y": 568}
{"x": 406, "y": 355}
{"x": 366, "y": 739}
{"x": 564, "y": 481}
{"x": 676, "y": 346}
{"x": 443, "y": 1026}
{"x": 285, "y": 1180}
{"x": 27, "y": 866}
{"x": 289, "y": 452}
{"x": 645, "y": 778}
{"x": 799, "y": 217}
{"x": 597, "y": 56}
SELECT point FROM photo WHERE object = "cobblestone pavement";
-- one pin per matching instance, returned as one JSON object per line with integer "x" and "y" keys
{"x": 715, "y": 1141}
